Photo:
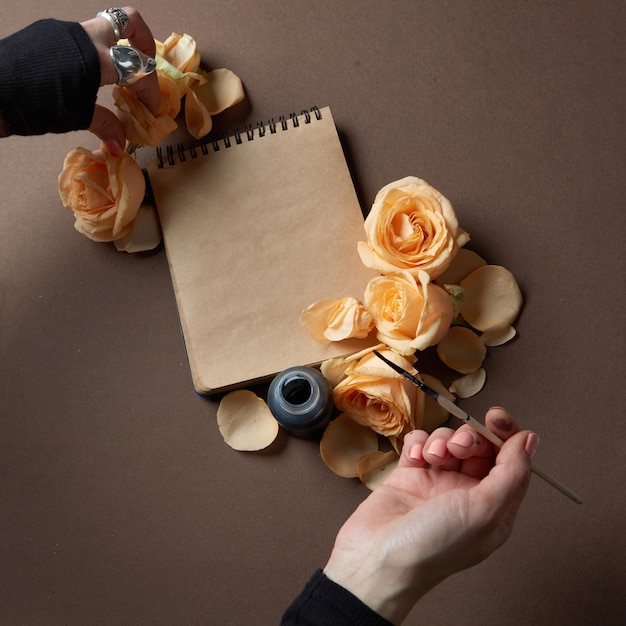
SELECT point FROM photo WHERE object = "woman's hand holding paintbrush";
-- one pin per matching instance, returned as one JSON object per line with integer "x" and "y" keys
{"x": 449, "y": 504}
{"x": 455, "y": 410}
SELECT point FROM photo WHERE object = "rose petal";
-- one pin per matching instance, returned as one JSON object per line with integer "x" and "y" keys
{"x": 245, "y": 421}
{"x": 462, "y": 350}
{"x": 359, "y": 355}
{"x": 334, "y": 370}
{"x": 145, "y": 233}
{"x": 463, "y": 264}
{"x": 492, "y": 298}
{"x": 374, "y": 468}
{"x": 335, "y": 320}
{"x": 222, "y": 90}
{"x": 181, "y": 51}
{"x": 470, "y": 384}
{"x": 370, "y": 365}
{"x": 499, "y": 336}
{"x": 344, "y": 442}
{"x": 198, "y": 120}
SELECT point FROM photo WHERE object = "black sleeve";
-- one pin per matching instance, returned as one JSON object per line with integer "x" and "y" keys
{"x": 325, "y": 603}
{"x": 49, "y": 78}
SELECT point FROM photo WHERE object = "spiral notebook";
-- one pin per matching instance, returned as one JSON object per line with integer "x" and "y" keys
{"x": 257, "y": 226}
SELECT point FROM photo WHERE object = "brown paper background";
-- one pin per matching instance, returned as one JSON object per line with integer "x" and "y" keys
{"x": 120, "y": 504}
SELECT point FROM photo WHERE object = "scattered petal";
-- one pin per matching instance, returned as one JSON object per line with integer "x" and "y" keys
{"x": 462, "y": 350}
{"x": 145, "y": 234}
{"x": 245, "y": 421}
{"x": 334, "y": 370}
{"x": 499, "y": 336}
{"x": 198, "y": 120}
{"x": 470, "y": 384}
{"x": 373, "y": 468}
{"x": 492, "y": 298}
{"x": 344, "y": 442}
{"x": 222, "y": 90}
{"x": 463, "y": 264}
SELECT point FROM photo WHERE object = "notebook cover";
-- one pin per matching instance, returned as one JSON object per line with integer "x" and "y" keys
{"x": 254, "y": 233}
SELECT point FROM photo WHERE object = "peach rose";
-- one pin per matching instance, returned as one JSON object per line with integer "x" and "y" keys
{"x": 411, "y": 227}
{"x": 181, "y": 51}
{"x": 140, "y": 125}
{"x": 104, "y": 192}
{"x": 409, "y": 314}
{"x": 334, "y": 320}
{"x": 376, "y": 396}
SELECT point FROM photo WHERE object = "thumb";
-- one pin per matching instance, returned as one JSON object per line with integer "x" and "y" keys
{"x": 109, "y": 129}
{"x": 503, "y": 490}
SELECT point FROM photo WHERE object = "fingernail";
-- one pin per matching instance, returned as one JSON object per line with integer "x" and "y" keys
{"x": 463, "y": 439}
{"x": 438, "y": 448}
{"x": 503, "y": 424}
{"x": 113, "y": 147}
{"x": 532, "y": 443}
{"x": 416, "y": 452}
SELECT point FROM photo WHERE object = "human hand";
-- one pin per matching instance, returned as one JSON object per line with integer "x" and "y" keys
{"x": 105, "y": 124}
{"x": 448, "y": 505}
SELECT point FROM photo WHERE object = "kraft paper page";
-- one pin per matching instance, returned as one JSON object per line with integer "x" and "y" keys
{"x": 254, "y": 233}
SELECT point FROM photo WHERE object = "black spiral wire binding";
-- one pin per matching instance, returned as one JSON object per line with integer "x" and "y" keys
{"x": 236, "y": 137}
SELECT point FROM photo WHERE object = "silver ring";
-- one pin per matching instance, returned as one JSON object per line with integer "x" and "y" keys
{"x": 118, "y": 20}
{"x": 131, "y": 64}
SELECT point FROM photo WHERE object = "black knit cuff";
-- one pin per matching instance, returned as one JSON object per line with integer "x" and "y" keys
{"x": 325, "y": 603}
{"x": 49, "y": 78}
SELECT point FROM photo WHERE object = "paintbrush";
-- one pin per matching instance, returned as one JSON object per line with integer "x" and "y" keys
{"x": 455, "y": 410}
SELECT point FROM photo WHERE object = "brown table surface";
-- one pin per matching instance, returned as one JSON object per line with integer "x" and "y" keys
{"x": 119, "y": 501}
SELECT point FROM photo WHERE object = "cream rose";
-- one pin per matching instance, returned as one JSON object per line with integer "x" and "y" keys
{"x": 376, "y": 396}
{"x": 409, "y": 314}
{"x": 103, "y": 191}
{"x": 412, "y": 227}
{"x": 335, "y": 320}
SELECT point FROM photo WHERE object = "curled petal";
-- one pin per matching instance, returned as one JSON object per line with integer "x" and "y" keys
{"x": 221, "y": 90}
{"x": 335, "y": 320}
{"x": 499, "y": 336}
{"x": 181, "y": 51}
{"x": 198, "y": 120}
{"x": 145, "y": 233}
{"x": 333, "y": 370}
{"x": 470, "y": 384}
